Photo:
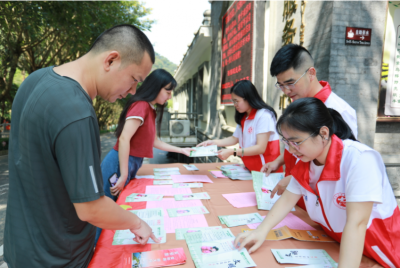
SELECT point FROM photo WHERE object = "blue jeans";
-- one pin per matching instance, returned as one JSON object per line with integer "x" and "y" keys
{"x": 109, "y": 166}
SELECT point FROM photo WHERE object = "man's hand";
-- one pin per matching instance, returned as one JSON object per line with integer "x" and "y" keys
{"x": 143, "y": 233}
{"x": 269, "y": 167}
{"x": 206, "y": 143}
{"x": 281, "y": 186}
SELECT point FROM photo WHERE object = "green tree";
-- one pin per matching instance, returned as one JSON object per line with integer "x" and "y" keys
{"x": 35, "y": 34}
{"x": 164, "y": 63}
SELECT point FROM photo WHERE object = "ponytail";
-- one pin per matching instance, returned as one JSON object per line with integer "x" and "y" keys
{"x": 309, "y": 115}
{"x": 339, "y": 127}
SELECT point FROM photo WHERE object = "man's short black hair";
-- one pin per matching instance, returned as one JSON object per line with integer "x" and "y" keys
{"x": 290, "y": 56}
{"x": 128, "y": 40}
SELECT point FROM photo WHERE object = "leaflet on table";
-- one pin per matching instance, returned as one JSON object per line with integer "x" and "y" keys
{"x": 243, "y": 219}
{"x": 162, "y": 177}
{"x": 242, "y": 177}
{"x": 190, "y": 167}
{"x": 144, "y": 177}
{"x": 153, "y": 217}
{"x": 162, "y": 182}
{"x": 263, "y": 186}
{"x": 166, "y": 169}
{"x": 157, "y": 258}
{"x": 302, "y": 235}
{"x": 178, "y": 212}
{"x": 303, "y": 256}
{"x": 167, "y": 172}
{"x": 217, "y": 174}
{"x": 180, "y": 233}
{"x": 143, "y": 197}
{"x": 216, "y": 248}
{"x": 192, "y": 196}
{"x": 318, "y": 266}
{"x": 204, "y": 151}
{"x": 187, "y": 185}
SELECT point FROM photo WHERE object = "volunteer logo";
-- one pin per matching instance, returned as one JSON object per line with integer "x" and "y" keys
{"x": 250, "y": 130}
{"x": 339, "y": 200}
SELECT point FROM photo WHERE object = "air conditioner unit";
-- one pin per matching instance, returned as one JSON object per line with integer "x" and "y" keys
{"x": 179, "y": 128}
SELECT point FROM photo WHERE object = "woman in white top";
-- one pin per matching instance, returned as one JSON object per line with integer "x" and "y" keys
{"x": 343, "y": 184}
{"x": 255, "y": 131}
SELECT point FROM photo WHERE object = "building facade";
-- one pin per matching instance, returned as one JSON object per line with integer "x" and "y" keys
{"x": 355, "y": 46}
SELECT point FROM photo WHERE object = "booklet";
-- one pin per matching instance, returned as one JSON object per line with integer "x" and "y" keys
{"x": 167, "y": 172}
{"x": 187, "y": 185}
{"x": 143, "y": 197}
{"x": 166, "y": 169}
{"x": 302, "y": 235}
{"x": 181, "y": 197}
{"x": 153, "y": 217}
{"x": 180, "y": 233}
{"x": 162, "y": 182}
{"x": 158, "y": 258}
{"x": 263, "y": 187}
{"x": 190, "y": 167}
{"x": 236, "y": 172}
{"x": 178, "y": 212}
{"x": 204, "y": 151}
{"x": 215, "y": 248}
{"x": 302, "y": 256}
{"x": 162, "y": 177}
{"x": 243, "y": 219}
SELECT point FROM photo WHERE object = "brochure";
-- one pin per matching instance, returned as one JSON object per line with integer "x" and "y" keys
{"x": 158, "y": 258}
{"x": 204, "y": 151}
{"x": 178, "y": 212}
{"x": 243, "y": 219}
{"x": 236, "y": 172}
{"x": 187, "y": 185}
{"x": 143, "y": 197}
{"x": 162, "y": 177}
{"x": 318, "y": 266}
{"x": 162, "y": 182}
{"x": 190, "y": 167}
{"x": 180, "y": 233}
{"x": 302, "y": 235}
{"x": 181, "y": 197}
{"x": 263, "y": 186}
{"x": 166, "y": 169}
{"x": 153, "y": 217}
{"x": 167, "y": 172}
{"x": 303, "y": 256}
{"x": 215, "y": 248}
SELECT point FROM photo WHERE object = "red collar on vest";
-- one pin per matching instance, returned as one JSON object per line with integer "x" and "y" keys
{"x": 325, "y": 92}
{"x": 331, "y": 171}
{"x": 251, "y": 116}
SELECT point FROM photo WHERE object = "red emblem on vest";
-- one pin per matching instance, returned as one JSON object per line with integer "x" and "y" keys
{"x": 250, "y": 129}
{"x": 339, "y": 200}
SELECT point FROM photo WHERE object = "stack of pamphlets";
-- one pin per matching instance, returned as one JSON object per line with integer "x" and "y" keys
{"x": 236, "y": 172}
{"x": 157, "y": 258}
{"x": 237, "y": 220}
{"x": 192, "y": 196}
{"x": 165, "y": 173}
{"x": 215, "y": 248}
{"x": 153, "y": 217}
{"x": 263, "y": 187}
{"x": 204, "y": 151}
{"x": 303, "y": 256}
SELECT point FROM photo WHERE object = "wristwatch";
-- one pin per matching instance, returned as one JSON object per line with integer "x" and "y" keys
{"x": 234, "y": 151}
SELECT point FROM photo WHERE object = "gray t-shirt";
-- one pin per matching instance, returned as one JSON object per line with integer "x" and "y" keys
{"x": 54, "y": 161}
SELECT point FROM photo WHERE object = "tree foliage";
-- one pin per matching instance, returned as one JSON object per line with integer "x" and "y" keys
{"x": 163, "y": 63}
{"x": 37, "y": 34}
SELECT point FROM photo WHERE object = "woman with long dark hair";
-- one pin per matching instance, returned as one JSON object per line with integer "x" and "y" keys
{"x": 255, "y": 131}
{"x": 343, "y": 184}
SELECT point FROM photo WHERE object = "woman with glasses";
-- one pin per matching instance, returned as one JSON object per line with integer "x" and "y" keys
{"x": 255, "y": 131}
{"x": 343, "y": 184}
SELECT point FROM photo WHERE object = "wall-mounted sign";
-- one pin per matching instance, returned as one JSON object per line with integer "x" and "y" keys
{"x": 237, "y": 47}
{"x": 358, "y": 36}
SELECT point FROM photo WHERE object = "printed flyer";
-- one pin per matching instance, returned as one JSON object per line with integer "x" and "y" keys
{"x": 158, "y": 258}
{"x": 204, "y": 151}
{"x": 162, "y": 182}
{"x": 243, "y": 219}
{"x": 263, "y": 186}
{"x": 303, "y": 256}
{"x": 192, "y": 196}
{"x": 215, "y": 248}
{"x": 187, "y": 185}
{"x": 179, "y": 212}
{"x": 180, "y": 233}
{"x": 144, "y": 197}
{"x": 302, "y": 235}
{"x": 190, "y": 167}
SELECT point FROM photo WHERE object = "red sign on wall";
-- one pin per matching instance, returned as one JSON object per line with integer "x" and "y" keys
{"x": 358, "y": 36}
{"x": 237, "y": 47}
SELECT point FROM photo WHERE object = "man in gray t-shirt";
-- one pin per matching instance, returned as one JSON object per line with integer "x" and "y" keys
{"x": 56, "y": 194}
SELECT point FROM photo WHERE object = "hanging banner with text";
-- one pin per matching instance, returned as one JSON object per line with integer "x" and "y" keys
{"x": 237, "y": 47}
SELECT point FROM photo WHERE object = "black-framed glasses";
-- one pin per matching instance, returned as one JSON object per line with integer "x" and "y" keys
{"x": 291, "y": 85}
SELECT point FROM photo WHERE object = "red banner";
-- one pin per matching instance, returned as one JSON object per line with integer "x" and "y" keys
{"x": 237, "y": 47}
